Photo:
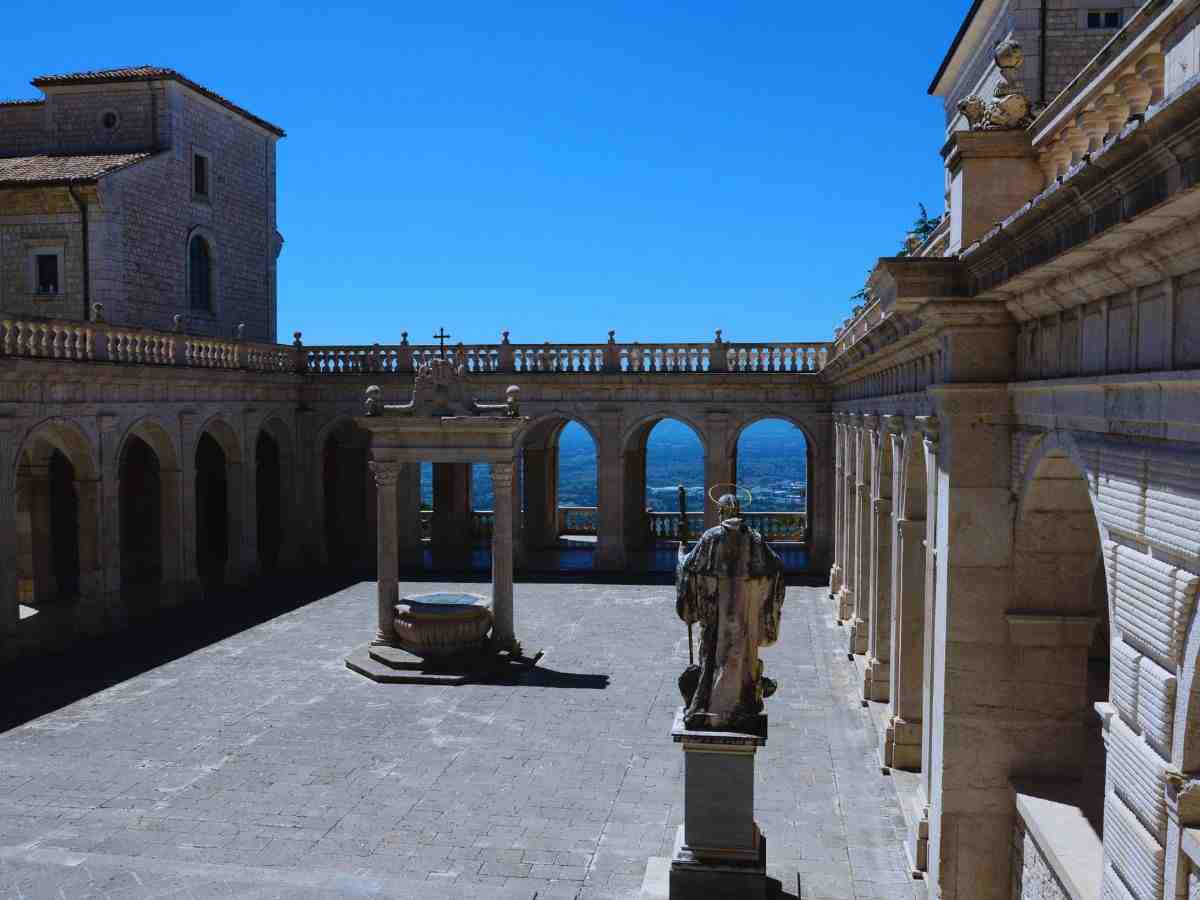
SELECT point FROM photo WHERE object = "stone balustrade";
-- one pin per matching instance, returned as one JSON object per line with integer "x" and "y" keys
{"x": 1114, "y": 90}
{"x": 578, "y": 521}
{"x": 102, "y": 342}
{"x": 98, "y": 341}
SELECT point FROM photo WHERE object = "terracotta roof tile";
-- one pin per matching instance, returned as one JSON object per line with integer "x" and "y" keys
{"x": 21, "y": 102}
{"x": 151, "y": 73}
{"x": 49, "y": 170}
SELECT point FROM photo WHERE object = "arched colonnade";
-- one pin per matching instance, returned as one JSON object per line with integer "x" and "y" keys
{"x": 1066, "y": 665}
{"x": 116, "y": 518}
{"x": 619, "y": 521}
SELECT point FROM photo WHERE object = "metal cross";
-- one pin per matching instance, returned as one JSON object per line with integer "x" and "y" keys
{"x": 441, "y": 337}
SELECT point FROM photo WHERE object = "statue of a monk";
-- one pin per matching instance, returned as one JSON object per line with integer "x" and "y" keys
{"x": 732, "y": 584}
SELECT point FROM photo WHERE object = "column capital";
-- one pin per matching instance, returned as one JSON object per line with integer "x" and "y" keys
{"x": 930, "y": 427}
{"x": 387, "y": 474}
{"x": 896, "y": 425}
{"x": 870, "y": 421}
{"x": 882, "y": 504}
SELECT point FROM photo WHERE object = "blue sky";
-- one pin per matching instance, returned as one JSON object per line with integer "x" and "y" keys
{"x": 661, "y": 169}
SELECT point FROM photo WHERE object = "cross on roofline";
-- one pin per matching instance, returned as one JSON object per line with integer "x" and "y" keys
{"x": 441, "y": 337}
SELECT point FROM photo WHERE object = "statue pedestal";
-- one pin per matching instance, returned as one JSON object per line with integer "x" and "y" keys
{"x": 719, "y": 851}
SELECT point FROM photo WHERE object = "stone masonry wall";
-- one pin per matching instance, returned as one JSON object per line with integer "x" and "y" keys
{"x": 22, "y": 129}
{"x": 75, "y": 115}
{"x": 155, "y": 214}
{"x": 33, "y": 220}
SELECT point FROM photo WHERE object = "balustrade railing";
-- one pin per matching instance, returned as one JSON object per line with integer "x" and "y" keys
{"x": 1128, "y": 76}
{"x": 103, "y": 342}
{"x": 578, "y": 521}
{"x": 584, "y": 521}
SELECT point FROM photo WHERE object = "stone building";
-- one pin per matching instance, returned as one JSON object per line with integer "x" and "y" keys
{"x": 1002, "y": 448}
{"x": 142, "y": 191}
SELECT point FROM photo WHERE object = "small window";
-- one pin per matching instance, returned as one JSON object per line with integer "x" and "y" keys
{"x": 200, "y": 275}
{"x": 109, "y": 120}
{"x": 1104, "y": 18}
{"x": 46, "y": 273}
{"x": 199, "y": 174}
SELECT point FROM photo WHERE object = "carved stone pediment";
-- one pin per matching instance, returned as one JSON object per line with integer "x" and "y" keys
{"x": 442, "y": 389}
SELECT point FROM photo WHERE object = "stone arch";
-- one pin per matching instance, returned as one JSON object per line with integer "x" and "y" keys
{"x": 640, "y": 530}
{"x": 815, "y": 454}
{"x": 58, "y": 514}
{"x": 1058, "y": 625}
{"x": 218, "y": 502}
{"x": 545, "y": 521}
{"x": 148, "y": 533}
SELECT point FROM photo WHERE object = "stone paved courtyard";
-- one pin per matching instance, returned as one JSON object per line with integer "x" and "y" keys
{"x": 259, "y": 766}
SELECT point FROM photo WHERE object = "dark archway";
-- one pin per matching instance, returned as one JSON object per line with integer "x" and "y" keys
{"x": 212, "y": 511}
{"x": 349, "y": 499}
{"x": 560, "y": 488}
{"x": 141, "y": 515}
{"x": 268, "y": 482}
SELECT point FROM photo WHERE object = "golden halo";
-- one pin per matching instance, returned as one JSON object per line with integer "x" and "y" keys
{"x": 715, "y": 495}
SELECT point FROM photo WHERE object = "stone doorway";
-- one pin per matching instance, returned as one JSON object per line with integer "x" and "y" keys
{"x": 212, "y": 511}
{"x": 268, "y": 502}
{"x": 141, "y": 500}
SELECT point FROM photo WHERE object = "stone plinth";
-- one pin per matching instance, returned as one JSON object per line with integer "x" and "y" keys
{"x": 441, "y": 625}
{"x": 719, "y": 850}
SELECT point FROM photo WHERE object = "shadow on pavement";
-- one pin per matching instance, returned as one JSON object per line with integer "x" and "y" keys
{"x": 35, "y": 686}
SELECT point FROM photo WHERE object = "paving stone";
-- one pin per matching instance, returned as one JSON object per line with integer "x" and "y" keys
{"x": 260, "y": 766}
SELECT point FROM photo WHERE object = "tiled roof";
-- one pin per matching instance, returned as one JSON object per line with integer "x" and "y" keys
{"x": 150, "y": 73}
{"x": 48, "y": 170}
{"x": 21, "y": 102}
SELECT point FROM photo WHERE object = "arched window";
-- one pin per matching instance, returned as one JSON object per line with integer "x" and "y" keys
{"x": 200, "y": 275}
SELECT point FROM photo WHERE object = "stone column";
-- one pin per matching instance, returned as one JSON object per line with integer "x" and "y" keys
{"x": 930, "y": 439}
{"x": 452, "y": 513}
{"x": 839, "y": 488}
{"x": 720, "y": 461}
{"x": 975, "y": 703}
{"x": 862, "y": 539}
{"x": 849, "y": 519}
{"x": 109, "y": 538}
{"x": 879, "y": 626}
{"x": 902, "y": 739}
{"x": 503, "y": 630}
{"x": 541, "y": 497}
{"x": 387, "y": 478}
{"x": 610, "y": 494}
{"x": 821, "y": 492}
{"x": 247, "y": 566}
{"x": 187, "y": 581}
{"x": 8, "y": 543}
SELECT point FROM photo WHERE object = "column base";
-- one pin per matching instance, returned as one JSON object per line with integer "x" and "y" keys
{"x": 876, "y": 681}
{"x": 835, "y": 581}
{"x": 845, "y": 603}
{"x": 702, "y": 879}
{"x": 902, "y": 745}
{"x": 858, "y": 638}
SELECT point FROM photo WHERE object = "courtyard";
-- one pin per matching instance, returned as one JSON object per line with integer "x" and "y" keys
{"x": 242, "y": 759}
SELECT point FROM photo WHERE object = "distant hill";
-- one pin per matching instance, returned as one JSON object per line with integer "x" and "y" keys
{"x": 771, "y": 464}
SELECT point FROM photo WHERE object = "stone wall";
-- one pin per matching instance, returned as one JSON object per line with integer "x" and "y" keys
{"x": 32, "y": 220}
{"x": 75, "y": 117}
{"x": 1033, "y": 879}
{"x": 22, "y": 128}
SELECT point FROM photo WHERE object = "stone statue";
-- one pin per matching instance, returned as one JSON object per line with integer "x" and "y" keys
{"x": 442, "y": 388}
{"x": 732, "y": 584}
{"x": 1009, "y": 108}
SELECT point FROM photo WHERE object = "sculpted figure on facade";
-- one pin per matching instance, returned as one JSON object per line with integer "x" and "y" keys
{"x": 1009, "y": 108}
{"x": 731, "y": 583}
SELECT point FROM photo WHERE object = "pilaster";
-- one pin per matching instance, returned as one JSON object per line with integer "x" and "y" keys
{"x": 387, "y": 477}
{"x": 611, "y": 487}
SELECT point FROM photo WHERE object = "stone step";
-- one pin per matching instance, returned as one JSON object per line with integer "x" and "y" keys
{"x": 363, "y": 660}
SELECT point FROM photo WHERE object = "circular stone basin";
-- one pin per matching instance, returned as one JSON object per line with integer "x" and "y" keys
{"x": 432, "y": 625}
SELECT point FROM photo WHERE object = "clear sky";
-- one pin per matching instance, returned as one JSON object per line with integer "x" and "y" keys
{"x": 662, "y": 169}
